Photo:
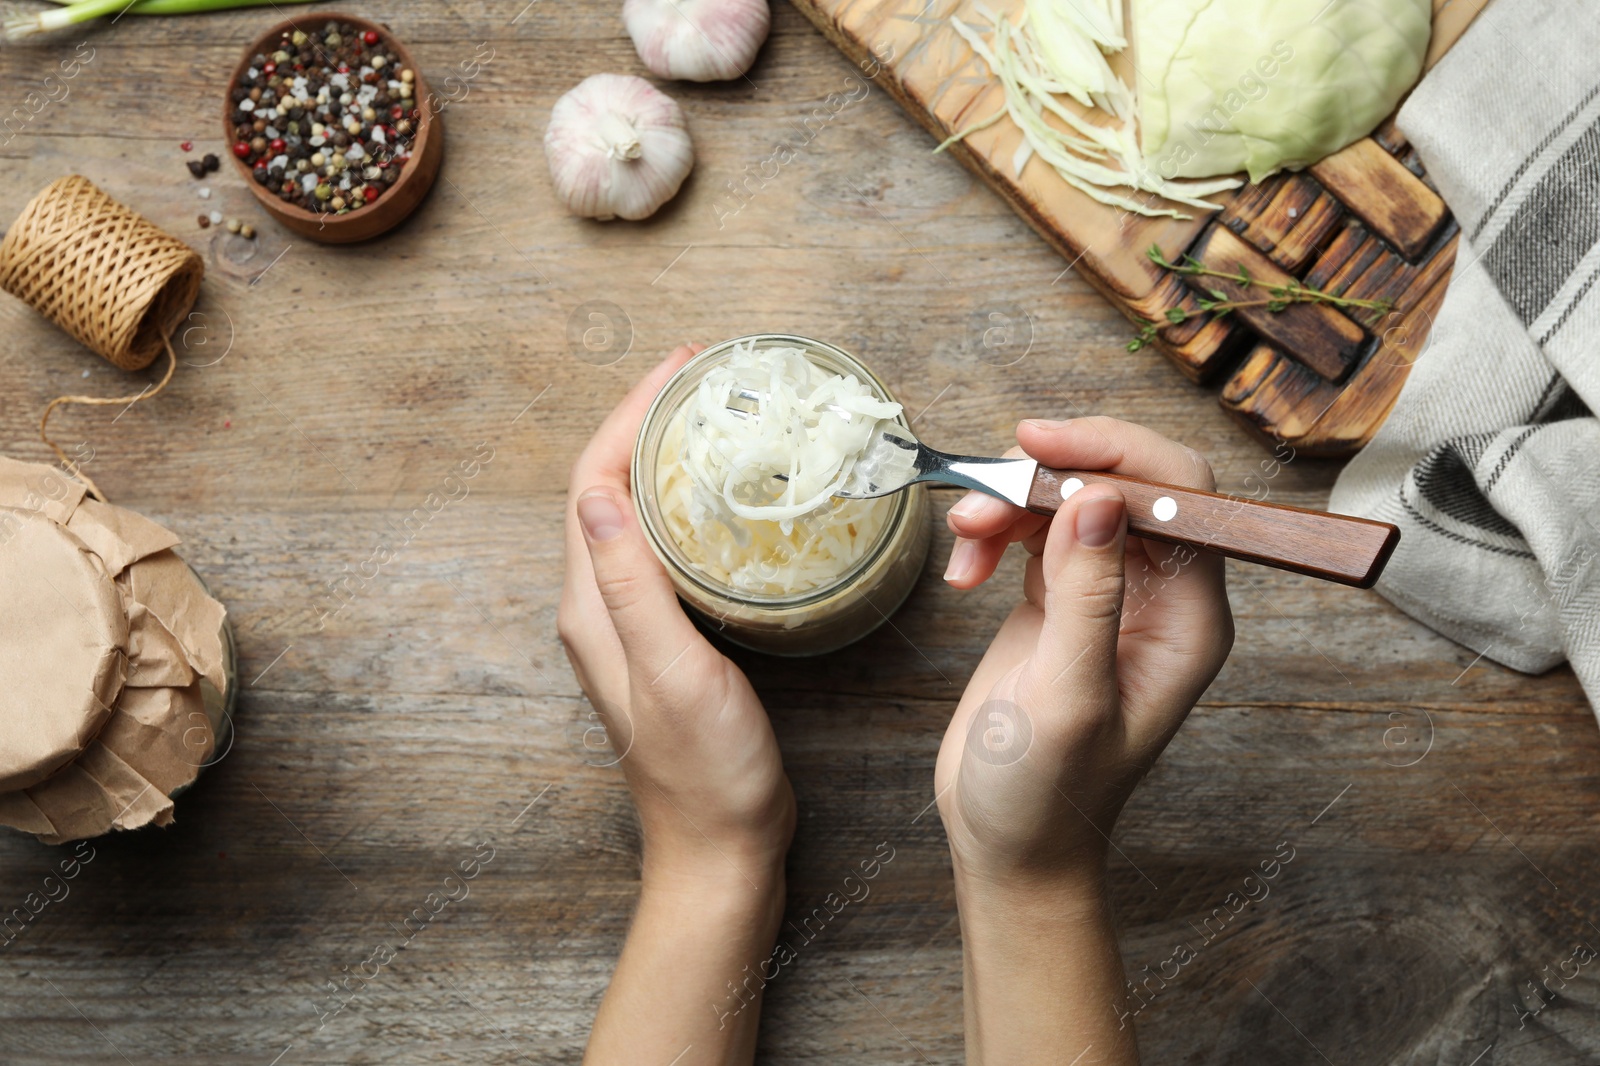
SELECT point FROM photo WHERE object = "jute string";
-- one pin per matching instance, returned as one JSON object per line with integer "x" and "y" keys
{"x": 108, "y": 276}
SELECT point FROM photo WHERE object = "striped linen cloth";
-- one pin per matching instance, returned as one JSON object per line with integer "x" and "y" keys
{"x": 1490, "y": 462}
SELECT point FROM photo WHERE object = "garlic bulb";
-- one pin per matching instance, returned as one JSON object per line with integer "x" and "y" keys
{"x": 617, "y": 146}
{"x": 697, "y": 40}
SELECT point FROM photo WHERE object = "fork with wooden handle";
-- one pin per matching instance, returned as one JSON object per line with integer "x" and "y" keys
{"x": 1350, "y": 551}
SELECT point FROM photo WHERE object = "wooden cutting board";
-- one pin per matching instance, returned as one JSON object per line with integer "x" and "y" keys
{"x": 1363, "y": 223}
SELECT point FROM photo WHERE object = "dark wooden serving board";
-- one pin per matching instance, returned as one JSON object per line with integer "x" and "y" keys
{"x": 1364, "y": 222}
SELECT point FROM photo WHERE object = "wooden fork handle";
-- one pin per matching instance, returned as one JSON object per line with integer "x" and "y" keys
{"x": 1351, "y": 551}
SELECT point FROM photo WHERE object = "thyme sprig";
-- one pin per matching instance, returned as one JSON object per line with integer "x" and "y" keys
{"x": 1218, "y": 303}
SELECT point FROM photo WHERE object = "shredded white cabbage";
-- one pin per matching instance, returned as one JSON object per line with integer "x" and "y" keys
{"x": 717, "y": 488}
{"x": 1059, "y": 51}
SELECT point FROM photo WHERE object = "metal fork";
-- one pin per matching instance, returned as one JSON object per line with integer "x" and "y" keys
{"x": 1333, "y": 547}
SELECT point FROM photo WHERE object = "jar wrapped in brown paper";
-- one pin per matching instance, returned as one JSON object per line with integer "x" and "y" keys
{"x": 115, "y": 663}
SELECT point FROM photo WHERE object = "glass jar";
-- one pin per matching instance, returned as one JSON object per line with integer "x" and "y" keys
{"x": 820, "y": 619}
{"x": 218, "y": 706}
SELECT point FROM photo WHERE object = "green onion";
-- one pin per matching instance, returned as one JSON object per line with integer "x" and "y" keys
{"x": 18, "y": 26}
{"x": 72, "y": 12}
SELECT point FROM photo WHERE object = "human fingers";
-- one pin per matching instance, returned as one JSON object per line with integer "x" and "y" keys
{"x": 978, "y": 515}
{"x": 984, "y": 524}
{"x": 1092, "y": 443}
{"x": 1191, "y": 579}
{"x": 581, "y": 619}
{"x": 639, "y": 599}
{"x": 970, "y": 567}
{"x": 1083, "y": 568}
{"x": 1100, "y": 443}
{"x": 972, "y": 562}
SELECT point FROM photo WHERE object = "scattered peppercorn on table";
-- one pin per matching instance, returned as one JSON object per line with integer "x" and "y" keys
{"x": 365, "y": 451}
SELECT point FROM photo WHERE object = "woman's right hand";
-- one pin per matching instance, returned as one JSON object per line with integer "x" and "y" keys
{"x": 1114, "y": 640}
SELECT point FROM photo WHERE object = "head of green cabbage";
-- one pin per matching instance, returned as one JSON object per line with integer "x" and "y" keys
{"x": 1265, "y": 85}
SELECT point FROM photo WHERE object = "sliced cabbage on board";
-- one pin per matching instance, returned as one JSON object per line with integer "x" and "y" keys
{"x": 1050, "y": 55}
{"x": 1223, "y": 86}
{"x": 1264, "y": 85}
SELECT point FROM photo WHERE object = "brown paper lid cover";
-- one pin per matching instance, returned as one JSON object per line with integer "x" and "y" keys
{"x": 63, "y": 643}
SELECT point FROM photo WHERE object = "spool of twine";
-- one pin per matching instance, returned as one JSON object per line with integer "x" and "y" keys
{"x": 105, "y": 274}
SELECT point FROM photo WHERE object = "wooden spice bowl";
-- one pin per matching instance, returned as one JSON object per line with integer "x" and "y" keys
{"x": 400, "y": 199}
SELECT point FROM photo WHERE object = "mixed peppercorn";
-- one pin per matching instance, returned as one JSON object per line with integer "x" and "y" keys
{"x": 199, "y": 168}
{"x": 327, "y": 121}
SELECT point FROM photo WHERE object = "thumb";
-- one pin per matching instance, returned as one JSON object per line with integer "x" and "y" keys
{"x": 638, "y": 595}
{"x": 1084, "y": 574}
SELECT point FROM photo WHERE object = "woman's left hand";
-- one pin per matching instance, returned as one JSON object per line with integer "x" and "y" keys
{"x": 716, "y": 812}
{"x": 692, "y": 737}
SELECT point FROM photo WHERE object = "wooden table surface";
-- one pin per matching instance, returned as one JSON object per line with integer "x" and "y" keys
{"x": 1440, "y": 811}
